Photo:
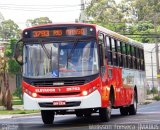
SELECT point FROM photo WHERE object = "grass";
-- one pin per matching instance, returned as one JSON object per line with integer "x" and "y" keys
{"x": 11, "y": 112}
{"x": 17, "y": 101}
{"x": 15, "y": 98}
{"x": 157, "y": 98}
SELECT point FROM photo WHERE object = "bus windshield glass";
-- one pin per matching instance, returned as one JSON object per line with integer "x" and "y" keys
{"x": 60, "y": 59}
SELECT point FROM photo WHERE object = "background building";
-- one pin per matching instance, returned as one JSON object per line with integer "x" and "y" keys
{"x": 151, "y": 65}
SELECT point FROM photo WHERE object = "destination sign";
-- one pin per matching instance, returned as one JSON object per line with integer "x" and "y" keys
{"x": 59, "y": 32}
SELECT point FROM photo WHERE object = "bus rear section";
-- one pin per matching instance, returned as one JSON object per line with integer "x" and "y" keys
{"x": 66, "y": 71}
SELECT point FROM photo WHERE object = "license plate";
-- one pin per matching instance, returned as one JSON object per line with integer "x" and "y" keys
{"x": 59, "y": 103}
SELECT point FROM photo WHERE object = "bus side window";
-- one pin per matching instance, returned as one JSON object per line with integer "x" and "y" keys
{"x": 108, "y": 54}
{"x": 138, "y": 59}
{"x": 119, "y": 53}
{"x": 114, "y": 57}
{"x": 141, "y": 60}
{"x": 102, "y": 49}
{"x": 133, "y": 57}
{"x": 127, "y": 56}
{"x": 135, "y": 52}
{"x": 124, "y": 54}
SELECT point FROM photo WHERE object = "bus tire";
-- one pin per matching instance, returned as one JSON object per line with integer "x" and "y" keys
{"x": 124, "y": 111}
{"x": 47, "y": 116}
{"x": 79, "y": 114}
{"x": 105, "y": 114}
{"x": 85, "y": 113}
{"x": 133, "y": 108}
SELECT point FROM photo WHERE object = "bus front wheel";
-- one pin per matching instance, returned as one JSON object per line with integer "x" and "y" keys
{"x": 47, "y": 116}
{"x": 105, "y": 114}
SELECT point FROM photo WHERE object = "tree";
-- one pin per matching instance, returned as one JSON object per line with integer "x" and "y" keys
{"x": 1, "y": 17}
{"x": 9, "y": 29}
{"x": 13, "y": 66}
{"x": 107, "y": 14}
{"x": 38, "y": 21}
{"x": 6, "y": 96}
{"x": 144, "y": 17}
{"x": 128, "y": 17}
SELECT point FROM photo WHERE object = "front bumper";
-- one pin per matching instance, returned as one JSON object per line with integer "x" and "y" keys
{"x": 93, "y": 100}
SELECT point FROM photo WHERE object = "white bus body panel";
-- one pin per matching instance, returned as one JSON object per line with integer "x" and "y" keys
{"x": 91, "y": 101}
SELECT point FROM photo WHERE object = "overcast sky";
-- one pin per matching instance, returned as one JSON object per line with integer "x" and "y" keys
{"x": 57, "y": 10}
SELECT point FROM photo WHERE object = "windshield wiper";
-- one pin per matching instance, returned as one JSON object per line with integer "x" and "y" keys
{"x": 46, "y": 51}
{"x": 72, "y": 51}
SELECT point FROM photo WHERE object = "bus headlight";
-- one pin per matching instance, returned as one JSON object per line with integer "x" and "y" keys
{"x": 34, "y": 95}
{"x": 84, "y": 93}
{"x": 89, "y": 91}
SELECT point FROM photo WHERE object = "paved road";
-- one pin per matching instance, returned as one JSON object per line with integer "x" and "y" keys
{"x": 147, "y": 118}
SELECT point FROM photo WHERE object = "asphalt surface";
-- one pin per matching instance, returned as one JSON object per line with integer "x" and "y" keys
{"x": 147, "y": 118}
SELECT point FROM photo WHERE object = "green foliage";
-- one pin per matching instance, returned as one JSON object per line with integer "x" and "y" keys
{"x": 157, "y": 98}
{"x": 106, "y": 13}
{"x": 13, "y": 66}
{"x": 154, "y": 90}
{"x": 9, "y": 29}
{"x": 9, "y": 50}
{"x": 149, "y": 92}
{"x": 129, "y": 17}
{"x": 18, "y": 92}
{"x": 143, "y": 28}
{"x": 38, "y": 21}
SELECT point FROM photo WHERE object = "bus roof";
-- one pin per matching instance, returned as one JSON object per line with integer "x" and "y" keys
{"x": 98, "y": 28}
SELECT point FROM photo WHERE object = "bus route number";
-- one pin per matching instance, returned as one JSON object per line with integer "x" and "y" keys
{"x": 42, "y": 33}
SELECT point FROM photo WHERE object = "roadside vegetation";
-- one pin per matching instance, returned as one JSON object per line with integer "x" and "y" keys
{"x": 10, "y": 112}
{"x": 153, "y": 94}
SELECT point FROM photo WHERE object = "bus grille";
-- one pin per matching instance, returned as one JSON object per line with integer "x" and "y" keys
{"x": 58, "y": 83}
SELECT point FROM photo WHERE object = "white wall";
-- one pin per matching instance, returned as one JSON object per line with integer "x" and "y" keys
{"x": 148, "y": 48}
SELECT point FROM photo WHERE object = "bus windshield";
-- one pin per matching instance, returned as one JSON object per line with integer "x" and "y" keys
{"x": 60, "y": 59}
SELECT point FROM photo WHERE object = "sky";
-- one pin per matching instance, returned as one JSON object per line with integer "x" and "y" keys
{"x": 57, "y": 10}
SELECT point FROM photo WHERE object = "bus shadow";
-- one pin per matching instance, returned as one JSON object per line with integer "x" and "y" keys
{"x": 74, "y": 122}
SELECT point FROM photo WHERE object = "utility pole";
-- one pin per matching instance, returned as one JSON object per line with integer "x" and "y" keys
{"x": 157, "y": 53}
{"x": 82, "y": 15}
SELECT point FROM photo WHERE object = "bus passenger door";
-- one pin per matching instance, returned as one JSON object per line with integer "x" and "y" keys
{"x": 103, "y": 70}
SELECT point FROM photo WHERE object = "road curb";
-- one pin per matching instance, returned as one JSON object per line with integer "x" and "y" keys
{"x": 24, "y": 115}
{"x": 17, "y": 115}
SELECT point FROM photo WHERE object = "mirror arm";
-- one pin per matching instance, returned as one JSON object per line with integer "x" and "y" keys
{"x": 15, "y": 52}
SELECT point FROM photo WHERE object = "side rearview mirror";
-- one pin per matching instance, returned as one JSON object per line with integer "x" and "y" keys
{"x": 18, "y": 52}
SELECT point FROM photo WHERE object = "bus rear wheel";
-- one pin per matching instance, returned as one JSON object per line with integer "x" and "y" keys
{"x": 47, "y": 116}
{"x": 124, "y": 111}
{"x": 132, "y": 109}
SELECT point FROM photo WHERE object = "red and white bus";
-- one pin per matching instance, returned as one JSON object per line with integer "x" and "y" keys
{"x": 80, "y": 68}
